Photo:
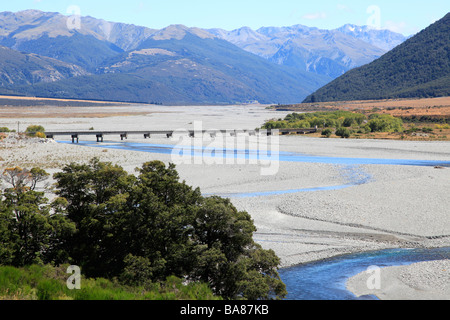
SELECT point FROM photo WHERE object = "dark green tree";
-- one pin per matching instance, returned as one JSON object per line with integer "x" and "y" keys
{"x": 30, "y": 232}
{"x": 154, "y": 226}
{"x": 91, "y": 192}
{"x": 231, "y": 262}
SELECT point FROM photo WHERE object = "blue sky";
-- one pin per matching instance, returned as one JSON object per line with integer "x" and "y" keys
{"x": 404, "y": 16}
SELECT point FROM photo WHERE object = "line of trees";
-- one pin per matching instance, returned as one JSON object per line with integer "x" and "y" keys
{"x": 344, "y": 123}
{"x": 138, "y": 229}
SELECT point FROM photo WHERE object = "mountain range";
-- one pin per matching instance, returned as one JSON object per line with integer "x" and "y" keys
{"x": 325, "y": 52}
{"x": 417, "y": 68}
{"x": 176, "y": 65}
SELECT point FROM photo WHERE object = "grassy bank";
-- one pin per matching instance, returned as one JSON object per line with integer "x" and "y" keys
{"x": 49, "y": 283}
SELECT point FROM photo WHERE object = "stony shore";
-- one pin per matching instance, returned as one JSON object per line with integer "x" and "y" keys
{"x": 396, "y": 206}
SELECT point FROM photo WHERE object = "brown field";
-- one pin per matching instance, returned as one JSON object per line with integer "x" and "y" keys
{"x": 31, "y": 107}
{"x": 64, "y": 112}
{"x": 429, "y": 113}
{"x": 397, "y": 107}
{"x": 37, "y": 100}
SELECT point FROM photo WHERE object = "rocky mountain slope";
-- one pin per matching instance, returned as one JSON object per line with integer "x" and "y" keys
{"x": 18, "y": 69}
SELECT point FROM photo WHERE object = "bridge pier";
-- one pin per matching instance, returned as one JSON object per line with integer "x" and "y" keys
{"x": 169, "y": 135}
{"x": 99, "y": 137}
{"x": 74, "y": 137}
{"x": 147, "y": 135}
{"x": 123, "y": 136}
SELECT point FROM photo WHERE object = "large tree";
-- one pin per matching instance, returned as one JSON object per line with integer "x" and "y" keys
{"x": 29, "y": 232}
{"x": 153, "y": 226}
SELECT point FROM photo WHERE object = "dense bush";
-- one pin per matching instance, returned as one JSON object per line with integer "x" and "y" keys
{"x": 35, "y": 131}
{"x": 345, "y": 122}
{"x": 343, "y": 133}
{"x": 140, "y": 229}
{"x": 384, "y": 123}
{"x": 332, "y": 119}
{"x": 327, "y": 133}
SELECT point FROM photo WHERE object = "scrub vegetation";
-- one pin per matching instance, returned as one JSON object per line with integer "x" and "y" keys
{"x": 342, "y": 123}
{"x": 146, "y": 235}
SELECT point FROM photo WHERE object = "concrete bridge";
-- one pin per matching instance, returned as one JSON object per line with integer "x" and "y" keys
{"x": 75, "y": 135}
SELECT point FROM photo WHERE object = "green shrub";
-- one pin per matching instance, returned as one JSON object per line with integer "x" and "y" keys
{"x": 343, "y": 133}
{"x": 385, "y": 123}
{"x": 327, "y": 119}
{"x": 35, "y": 131}
{"x": 327, "y": 133}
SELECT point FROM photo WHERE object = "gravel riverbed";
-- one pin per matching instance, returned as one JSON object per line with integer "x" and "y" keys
{"x": 381, "y": 206}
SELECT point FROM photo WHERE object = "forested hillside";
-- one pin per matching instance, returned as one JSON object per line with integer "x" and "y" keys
{"x": 420, "y": 67}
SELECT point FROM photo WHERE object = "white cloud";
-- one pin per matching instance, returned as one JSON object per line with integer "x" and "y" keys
{"x": 315, "y": 16}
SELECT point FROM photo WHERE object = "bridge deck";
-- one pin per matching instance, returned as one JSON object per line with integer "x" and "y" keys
{"x": 75, "y": 134}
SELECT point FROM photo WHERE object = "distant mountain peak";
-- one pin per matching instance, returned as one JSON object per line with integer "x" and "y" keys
{"x": 179, "y": 31}
{"x": 325, "y": 52}
{"x": 246, "y": 34}
{"x": 30, "y": 12}
{"x": 381, "y": 38}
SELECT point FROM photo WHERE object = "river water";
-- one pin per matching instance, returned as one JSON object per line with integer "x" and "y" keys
{"x": 326, "y": 279}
